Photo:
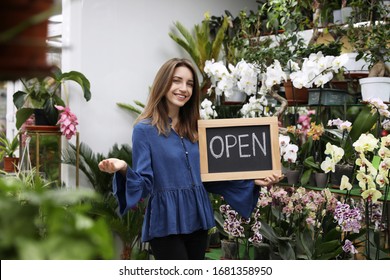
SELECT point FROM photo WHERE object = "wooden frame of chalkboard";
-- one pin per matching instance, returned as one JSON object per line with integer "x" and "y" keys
{"x": 242, "y": 148}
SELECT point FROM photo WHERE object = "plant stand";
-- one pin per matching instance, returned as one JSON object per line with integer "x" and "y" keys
{"x": 46, "y": 152}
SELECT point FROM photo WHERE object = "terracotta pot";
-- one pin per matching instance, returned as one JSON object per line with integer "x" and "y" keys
{"x": 294, "y": 95}
{"x": 23, "y": 55}
{"x": 10, "y": 164}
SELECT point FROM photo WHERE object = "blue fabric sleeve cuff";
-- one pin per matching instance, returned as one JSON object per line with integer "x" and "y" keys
{"x": 126, "y": 190}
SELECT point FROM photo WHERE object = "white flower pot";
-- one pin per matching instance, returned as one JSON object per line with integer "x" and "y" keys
{"x": 345, "y": 14}
{"x": 355, "y": 66}
{"x": 237, "y": 97}
{"x": 375, "y": 87}
{"x": 337, "y": 16}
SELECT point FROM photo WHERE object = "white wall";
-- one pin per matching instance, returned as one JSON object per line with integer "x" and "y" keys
{"x": 119, "y": 45}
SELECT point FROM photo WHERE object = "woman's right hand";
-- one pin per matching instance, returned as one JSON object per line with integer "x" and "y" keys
{"x": 112, "y": 165}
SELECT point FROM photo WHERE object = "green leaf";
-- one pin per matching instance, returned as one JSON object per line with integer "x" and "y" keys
{"x": 306, "y": 242}
{"x": 22, "y": 115}
{"x": 19, "y": 99}
{"x": 309, "y": 162}
{"x": 326, "y": 247}
{"x": 286, "y": 251}
{"x": 129, "y": 107}
{"x": 80, "y": 79}
{"x": 333, "y": 234}
{"x": 306, "y": 176}
{"x": 217, "y": 44}
{"x": 268, "y": 232}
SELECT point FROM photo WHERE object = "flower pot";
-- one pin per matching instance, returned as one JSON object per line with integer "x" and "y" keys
{"x": 23, "y": 54}
{"x": 321, "y": 179}
{"x": 375, "y": 87}
{"x": 329, "y": 96}
{"x": 262, "y": 252}
{"x": 294, "y": 95}
{"x": 345, "y": 14}
{"x": 11, "y": 164}
{"x": 229, "y": 249}
{"x": 43, "y": 119}
{"x": 238, "y": 97}
{"x": 340, "y": 170}
{"x": 215, "y": 240}
{"x": 337, "y": 16}
{"x": 293, "y": 176}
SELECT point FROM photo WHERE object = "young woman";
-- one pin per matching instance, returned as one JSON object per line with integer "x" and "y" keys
{"x": 166, "y": 168}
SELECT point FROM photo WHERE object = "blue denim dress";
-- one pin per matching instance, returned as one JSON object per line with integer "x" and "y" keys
{"x": 167, "y": 170}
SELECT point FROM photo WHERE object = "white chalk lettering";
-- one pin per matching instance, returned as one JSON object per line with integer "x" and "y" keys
{"x": 262, "y": 147}
{"x": 229, "y": 142}
{"x": 231, "y": 145}
{"x": 211, "y": 147}
{"x": 241, "y": 146}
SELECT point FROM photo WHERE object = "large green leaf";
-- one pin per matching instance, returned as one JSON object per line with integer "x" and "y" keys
{"x": 22, "y": 115}
{"x": 327, "y": 247}
{"x": 268, "y": 232}
{"x": 217, "y": 44}
{"x": 306, "y": 243}
{"x": 80, "y": 79}
{"x": 19, "y": 99}
{"x": 286, "y": 251}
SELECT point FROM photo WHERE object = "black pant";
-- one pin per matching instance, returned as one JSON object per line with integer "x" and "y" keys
{"x": 180, "y": 246}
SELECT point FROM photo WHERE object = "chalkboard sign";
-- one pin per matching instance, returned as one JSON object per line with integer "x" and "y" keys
{"x": 245, "y": 148}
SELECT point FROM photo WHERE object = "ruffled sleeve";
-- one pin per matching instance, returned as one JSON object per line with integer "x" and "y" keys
{"x": 242, "y": 196}
{"x": 139, "y": 180}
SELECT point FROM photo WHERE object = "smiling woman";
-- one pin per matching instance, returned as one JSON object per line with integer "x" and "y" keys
{"x": 166, "y": 168}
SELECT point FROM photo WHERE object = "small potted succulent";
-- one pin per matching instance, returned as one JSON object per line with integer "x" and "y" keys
{"x": 8, "y": 149}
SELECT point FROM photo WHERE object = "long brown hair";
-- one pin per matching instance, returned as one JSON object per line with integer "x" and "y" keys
{"x": 156, "y": 108}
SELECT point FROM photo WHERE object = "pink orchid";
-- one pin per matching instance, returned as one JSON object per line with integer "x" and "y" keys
{"x": 68, "y": 121}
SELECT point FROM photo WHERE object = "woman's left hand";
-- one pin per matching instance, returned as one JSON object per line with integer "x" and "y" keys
{"x": 270, "y": 180}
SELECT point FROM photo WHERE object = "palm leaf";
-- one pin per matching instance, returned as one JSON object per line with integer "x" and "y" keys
{"x": 189, "y": 44}
{"x": 218, "y": 42}
{"x": 129, "y": 107}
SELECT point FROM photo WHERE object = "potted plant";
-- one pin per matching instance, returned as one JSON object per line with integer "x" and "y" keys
{"x": 8, "y": 148}
{"x": 42, "y": 95}
{"x": 369, "y": 39}
{"x": 201, "y": 46}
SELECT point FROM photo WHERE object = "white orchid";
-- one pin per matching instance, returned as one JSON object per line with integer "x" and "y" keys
{"x": 207, "y": 110}
{"x": 345, "y": 184}
{"x": 274, "y": 75}
{"x": 225, "y": 80}
{"x": 366, "y": 143}
{"x": 328, "y": 165}
{"x": 317, "y": 70}
{"x": 288, "y": 151}
{"x": 254, "y": 108}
